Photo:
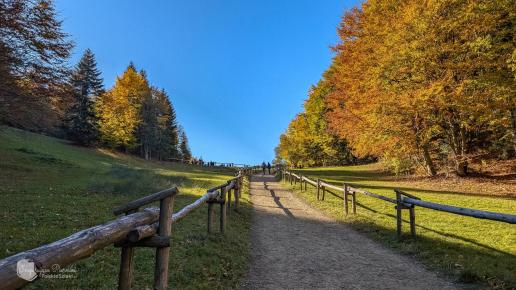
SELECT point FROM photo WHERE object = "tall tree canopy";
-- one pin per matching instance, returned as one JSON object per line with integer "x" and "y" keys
{"x": 86, "y": 85}
{"x": 184, "y": 148}
{"x": 426, "y": 84}
{"x": 308, "y": 140}
{"x": 118, "y": 110}
{"x": 138, "y": 118}
{"x": 167, "y": 134}
{"x": 158, "y": 132}
{"x": 33, "y": 54}
{"x": 38, "y": 92}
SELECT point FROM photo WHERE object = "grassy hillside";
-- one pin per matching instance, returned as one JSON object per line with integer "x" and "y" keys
{"x": 50, "y": 189}
{"x": 471, "y": 250}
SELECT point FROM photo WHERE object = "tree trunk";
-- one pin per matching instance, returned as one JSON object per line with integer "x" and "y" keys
{"x": 458, "y": 144}
{"x": 429, "y": 164}
{"x": 461, "y": 166}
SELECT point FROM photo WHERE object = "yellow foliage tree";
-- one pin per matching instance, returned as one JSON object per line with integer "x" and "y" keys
{"x": 118, "y": 110}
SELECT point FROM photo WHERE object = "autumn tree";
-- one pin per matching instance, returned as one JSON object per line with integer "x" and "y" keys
{"x": 86, "y": 85}
{"x": 333, "y": 150}
{"x": 425, "y": 83}
{"x": 308, "y": 140}
{"x": 33, "y": 54}
{"x": 295, "y": 145}
{"x": 118, "y": 110}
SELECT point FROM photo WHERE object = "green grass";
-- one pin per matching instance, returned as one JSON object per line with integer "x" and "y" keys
{"x": 50, "y": 189}
{"x": 470, "y": 250}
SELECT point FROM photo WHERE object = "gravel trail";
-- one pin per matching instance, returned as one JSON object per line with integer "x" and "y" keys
{"x": 297, "y": 247}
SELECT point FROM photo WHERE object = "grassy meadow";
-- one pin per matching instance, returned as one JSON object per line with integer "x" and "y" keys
{"x": 50, "y": 189}
{"x": 480, "y": 252}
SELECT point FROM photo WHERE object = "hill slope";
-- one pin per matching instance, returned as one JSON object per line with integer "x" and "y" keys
{"x": 50, "y": 189}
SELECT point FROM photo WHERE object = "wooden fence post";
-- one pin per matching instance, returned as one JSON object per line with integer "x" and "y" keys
{"x": 346, "y": 199}
{"x": 223, "y": 211}
{"x": 354, "y": 202}
{"x": 238, "y": 191}
{"x": 162, "y": 254}
{"x": 398, "y": 215}
{"x": 301, "y": 181}
{"x": 318, "y": 187}
{"x": 125, "y": 276}
{"x": 210, "y": 217}
{"x": 323, "y": 192}
{"x": 228, "y": 203}
{"x": 412, "y": 221}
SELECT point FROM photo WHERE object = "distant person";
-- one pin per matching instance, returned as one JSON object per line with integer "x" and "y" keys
{"x": 263, "y": 168}
{"x": 269, "y": 167}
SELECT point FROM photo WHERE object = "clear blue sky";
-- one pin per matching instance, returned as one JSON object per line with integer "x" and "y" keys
{"x": 236, "y": 71}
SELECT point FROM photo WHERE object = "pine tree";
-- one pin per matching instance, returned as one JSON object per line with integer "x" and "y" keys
{"x": 172, "y": 131}
{"x": 147, "y": 131}
{"x": 86, "y": 85}
{"x": 167, "y": 137}
{"x": 184, "y": 148}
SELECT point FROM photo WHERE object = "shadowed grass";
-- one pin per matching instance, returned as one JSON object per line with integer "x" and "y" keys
{"x": 50, "y": 189}
{"x": 469, "y": 249}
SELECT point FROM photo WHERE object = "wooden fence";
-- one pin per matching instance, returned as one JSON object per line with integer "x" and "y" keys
{"x": 403, "y": 201}
{"x": 150, "y": 227}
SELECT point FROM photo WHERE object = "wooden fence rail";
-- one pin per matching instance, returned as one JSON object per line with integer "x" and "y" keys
{"x": 403, "y": 201}
{"x": 150, "y": 227}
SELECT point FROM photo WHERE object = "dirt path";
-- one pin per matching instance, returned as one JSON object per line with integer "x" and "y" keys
{"x": 296, "y": 247}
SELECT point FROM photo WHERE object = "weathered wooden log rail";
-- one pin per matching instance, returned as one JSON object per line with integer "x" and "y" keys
{"x": 403, "y": 201}
{"x": 150, "y": 227}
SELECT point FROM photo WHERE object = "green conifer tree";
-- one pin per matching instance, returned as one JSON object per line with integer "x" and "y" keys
{"x": 167, "y": 138}
{"x": 184, "y": 148}
{"x": 86, "y": 85}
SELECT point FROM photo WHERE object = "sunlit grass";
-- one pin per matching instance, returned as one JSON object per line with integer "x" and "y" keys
{"x": 468, "y": 249}
{"x": 50, "y": 189}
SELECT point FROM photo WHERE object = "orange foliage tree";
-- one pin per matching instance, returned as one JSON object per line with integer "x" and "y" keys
{"x": 425, "y": 84}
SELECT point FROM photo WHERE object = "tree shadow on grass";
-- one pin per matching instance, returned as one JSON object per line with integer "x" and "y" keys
{"x": 478, "y": 263}
{"x": 393, "y": 216}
